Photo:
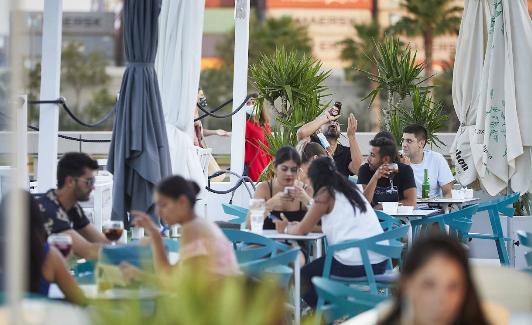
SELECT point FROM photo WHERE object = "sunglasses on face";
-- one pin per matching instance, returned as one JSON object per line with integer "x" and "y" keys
{"x": 89, "y": 181}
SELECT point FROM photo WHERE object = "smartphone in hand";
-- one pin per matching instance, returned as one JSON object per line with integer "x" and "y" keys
{"x": 289, "y": 190}
{"x": 336, "y": 109}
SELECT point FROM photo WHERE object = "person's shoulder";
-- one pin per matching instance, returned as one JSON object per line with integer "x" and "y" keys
{"x": 47, "y": 203}
{"x": 364, "y": 167}
{"x": 402, "y": 166}
{"x": 344, "y": 149}
{"x": 263, "y": 186}
{"x": 434, "y": 154}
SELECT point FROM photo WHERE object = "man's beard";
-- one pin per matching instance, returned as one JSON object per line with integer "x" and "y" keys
{"x": 83, "y": 197}
{"x": 332, "y": 133}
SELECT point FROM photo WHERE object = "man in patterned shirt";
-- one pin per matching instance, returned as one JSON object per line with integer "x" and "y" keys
{"x": 60, "y": 208}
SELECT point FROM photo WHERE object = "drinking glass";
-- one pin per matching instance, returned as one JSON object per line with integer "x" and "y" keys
{"x": 113, "y": 230}
{"x": 63, "y": 242}
{"x": 257, "y": 207}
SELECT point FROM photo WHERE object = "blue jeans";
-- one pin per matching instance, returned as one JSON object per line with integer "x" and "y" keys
{"x": 315, "y": 268}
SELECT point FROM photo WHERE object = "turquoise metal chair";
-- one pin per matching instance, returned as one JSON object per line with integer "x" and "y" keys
{"x": 261, "y": 266}
{"x": 341, "y": 300}
{"x": 495, "y": 208}
{"x": 459, "y": 223}
{"x": 234, "y": 210}
{"x": 387, "y": 221}
{"x": 250, "y": 247}
{"x": 525, "y": 239}
{"x": 84, "y": 272}
{"x": 377, "y": 244}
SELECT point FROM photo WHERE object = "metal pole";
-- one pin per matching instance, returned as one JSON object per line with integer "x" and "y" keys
{"x": 22, "y": 144}
{"x": 50, "y": 81}
{"x": 15, "y": 251}
{"x": 240, "y": 84}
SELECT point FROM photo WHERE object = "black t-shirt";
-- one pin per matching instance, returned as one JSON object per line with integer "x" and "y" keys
{"x": 56, "y": 219}
{"x": 384, "y": 192}
{"x": 342, "y": 157}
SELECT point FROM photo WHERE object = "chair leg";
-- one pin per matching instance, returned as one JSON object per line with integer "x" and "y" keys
{"x": 319, "y": 312}
{"x": 500, "y": 243}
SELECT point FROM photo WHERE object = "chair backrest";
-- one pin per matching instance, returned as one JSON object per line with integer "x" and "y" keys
{"x": 234, "y": 210}
{"x": 500, "y": 205}
{"x": 250, "y": 246}
{"x": 135, "y": 254}
{"x": 525, "y": 239}
{"x": 342, "y": 300}
{"x": 260, "y": 265}
{"x": 460, "y": 221}
{"x": 386, "y": 244}
{"x": 387, "y": 221}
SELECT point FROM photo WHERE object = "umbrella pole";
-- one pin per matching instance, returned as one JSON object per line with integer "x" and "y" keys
{"x": 50, "y": 81}
{"x": 242, "y": 11}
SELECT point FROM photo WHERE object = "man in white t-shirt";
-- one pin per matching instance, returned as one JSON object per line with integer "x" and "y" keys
{"x": 440, "y": 177}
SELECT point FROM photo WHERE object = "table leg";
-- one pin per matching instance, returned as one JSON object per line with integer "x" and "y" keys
{"x": 319, "y": 247}
{"x": 297, "y": 292}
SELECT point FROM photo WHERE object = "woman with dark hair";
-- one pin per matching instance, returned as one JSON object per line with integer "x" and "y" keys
{"x": 309, "y": 151}
{"x": 283, "y": 194}
{"x": 46, "y": 263}
{"x": 345, "y": 214}
{"x": 436, "y": 288}
{"x": 201, "y": 240}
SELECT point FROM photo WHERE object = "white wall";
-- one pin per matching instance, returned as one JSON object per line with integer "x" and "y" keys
{"x": 68, "y": 5}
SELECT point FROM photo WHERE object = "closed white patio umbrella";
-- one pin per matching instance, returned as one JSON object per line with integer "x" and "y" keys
{"x": 178, "y": 65}
{"x": 504, "y": 114}
{"x": 470, "y": 49}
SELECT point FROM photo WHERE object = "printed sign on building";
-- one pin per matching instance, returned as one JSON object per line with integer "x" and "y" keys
{"x": 331, "y": 4}
{"x": 326, "y": 28}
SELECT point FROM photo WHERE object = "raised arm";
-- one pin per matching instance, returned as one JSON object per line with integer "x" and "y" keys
{"x": 356, "y": 154}
{"x": 310, "y": 128}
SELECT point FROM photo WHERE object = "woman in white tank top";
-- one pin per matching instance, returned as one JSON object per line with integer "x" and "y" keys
{"x": 345, "y": 215}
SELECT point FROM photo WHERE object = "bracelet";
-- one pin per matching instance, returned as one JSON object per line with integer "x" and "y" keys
{"x": 286, "y": 230}
{"x": 309, "y": 204}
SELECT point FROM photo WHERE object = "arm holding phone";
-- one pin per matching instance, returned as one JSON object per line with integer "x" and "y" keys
{"x": 310, "y": 128}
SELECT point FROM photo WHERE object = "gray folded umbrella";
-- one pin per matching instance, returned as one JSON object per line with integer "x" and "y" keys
{"x": 138, "y": 155}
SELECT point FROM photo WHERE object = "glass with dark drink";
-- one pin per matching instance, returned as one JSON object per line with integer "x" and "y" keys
{"x": 63, "y": 242}
{"x": 113, "y": 230}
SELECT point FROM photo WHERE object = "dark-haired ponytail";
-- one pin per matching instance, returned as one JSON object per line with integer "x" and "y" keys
{"x": 176, "y": 186}
{"x": 323, "y": 174}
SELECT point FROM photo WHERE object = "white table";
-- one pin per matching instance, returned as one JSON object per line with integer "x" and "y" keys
{"x": 417, "y": 213}
{"x": 313, "y": 236}
{"x": 445, "y": 201}
{"x": 91, "y": 292}
{"x": 316, "y": 237}
{"x": 42, "y": 311}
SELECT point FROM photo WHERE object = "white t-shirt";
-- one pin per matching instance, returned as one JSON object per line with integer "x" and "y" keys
{"x": 342, "y": 224}
{"x": 438, "y": 171}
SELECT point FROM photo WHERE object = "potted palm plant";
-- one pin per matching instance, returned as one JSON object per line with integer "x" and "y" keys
{"x": 421, "y": 110}
{"x": 291, "y": 84}
{"x": 397, "y": 76}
